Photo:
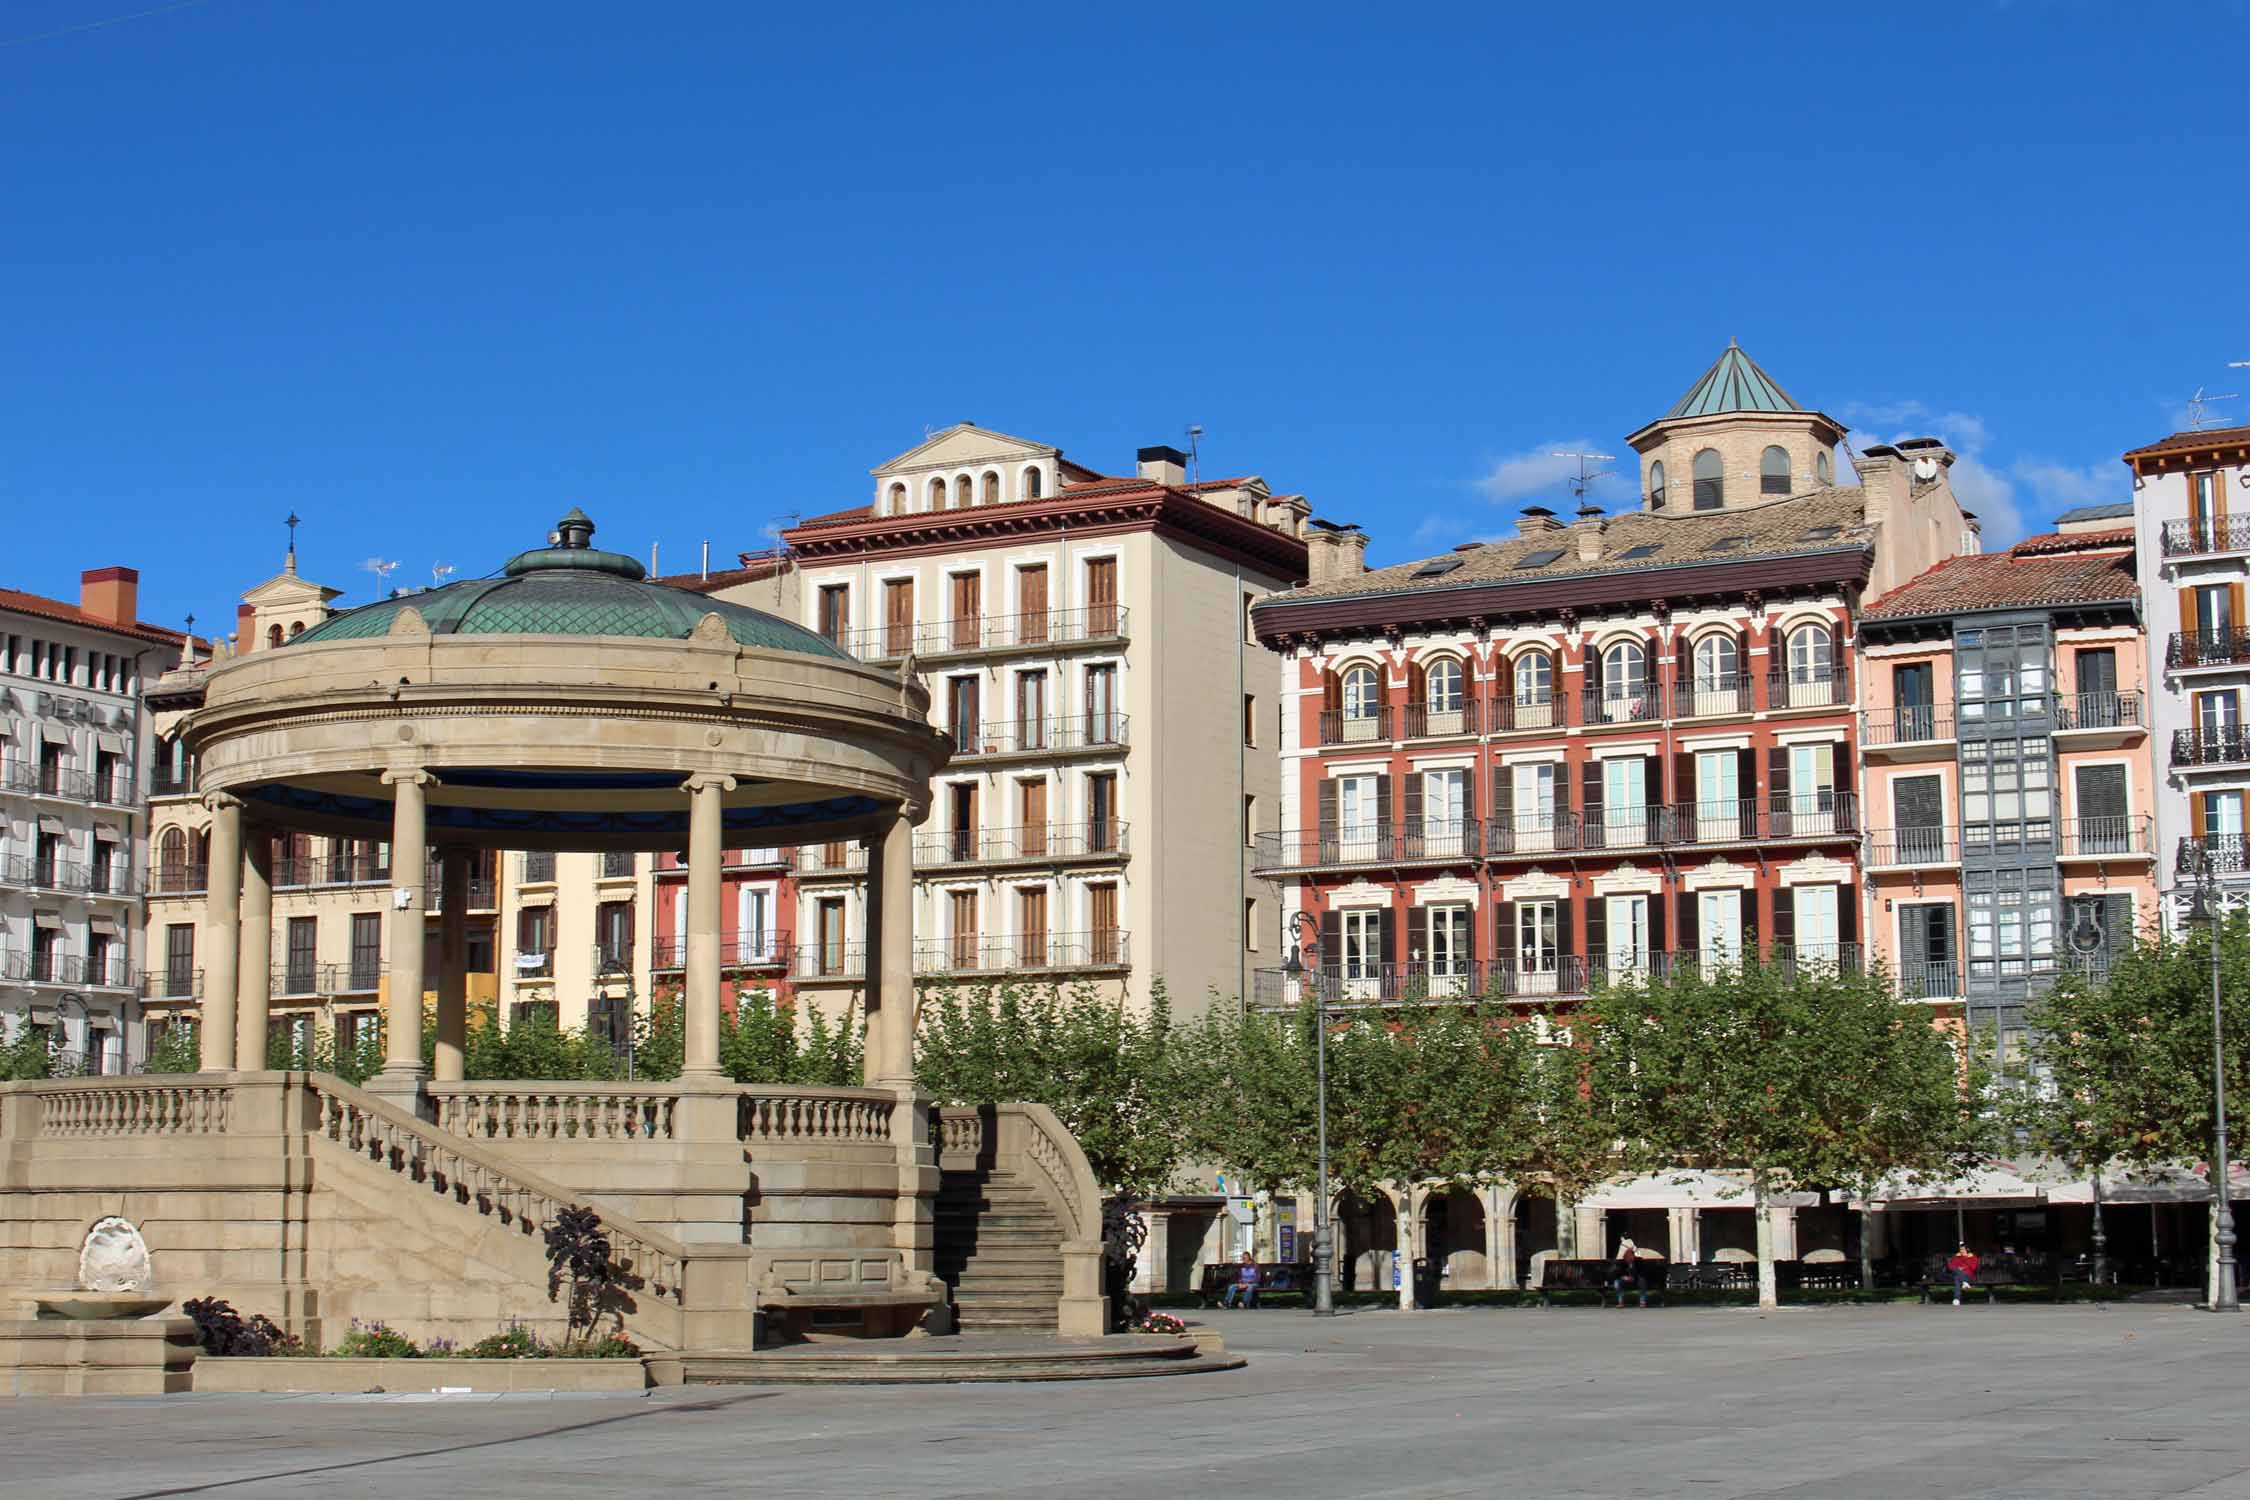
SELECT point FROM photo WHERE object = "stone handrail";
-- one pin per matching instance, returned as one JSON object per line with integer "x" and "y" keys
{"x": 485, "y": 1183}
{"x": 819, "y": 1116}
{"x": 1032, "y": 1135}
{"x": 536, "y": 1111}
{"x": 148, "y": 1104}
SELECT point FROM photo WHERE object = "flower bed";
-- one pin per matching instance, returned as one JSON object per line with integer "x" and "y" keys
{"x": 339, "y": 1375}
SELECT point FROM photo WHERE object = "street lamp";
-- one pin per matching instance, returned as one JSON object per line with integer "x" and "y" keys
{"x": 1301, "y": 923}
{"x": 2087, "y": 940}
{"x": 2207, "y": 912}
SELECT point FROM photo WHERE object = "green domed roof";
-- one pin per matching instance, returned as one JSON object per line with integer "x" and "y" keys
{"x": 570, "y": 588}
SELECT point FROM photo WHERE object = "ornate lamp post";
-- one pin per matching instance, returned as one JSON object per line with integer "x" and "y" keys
{"x": 1324, "y": 1257}
{"x": 2208, "y": 912}
{"x": 2090, "y": 944}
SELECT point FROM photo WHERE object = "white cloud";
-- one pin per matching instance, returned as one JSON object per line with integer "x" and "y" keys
{"x": 1985, "y": 484}
{"x": 1542, "y": 473}
{"x": 2059, "y": 487}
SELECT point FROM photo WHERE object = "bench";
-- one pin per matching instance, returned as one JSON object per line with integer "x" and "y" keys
{"x": 1596, "y": 1276}
{"x": 1992, "y": 1274}
{"x": 1273, "y": 1276}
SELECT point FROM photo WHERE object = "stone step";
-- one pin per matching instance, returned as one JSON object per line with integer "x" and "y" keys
{"x": 1028, "y": 1354}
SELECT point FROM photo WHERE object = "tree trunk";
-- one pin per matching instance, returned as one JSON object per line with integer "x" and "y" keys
{"x": 1867, "y": 1237}
{"x": 1566, "y": 1228}
{"x": 1768, "y": 1296}
{"x": 1408, "y": 1221}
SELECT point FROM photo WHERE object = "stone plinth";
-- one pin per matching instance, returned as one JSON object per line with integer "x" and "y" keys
{"x": 97, "y": 1356}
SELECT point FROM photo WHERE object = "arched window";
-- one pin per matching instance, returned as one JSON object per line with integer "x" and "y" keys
{"x": 1812, "y": 654}
{"x": 171, "y": 860}
{"x": 1535, "y": 678}
{"x": 273, "y": 635}
{"x": 1718, "y": 665}
{"x": 964, "y": 492}
{"x": 898, "y": 499}
{"x": 937, "y": 494}
{"x": 1443, "y": 682}
{"x": 1362, "y": 693}
{"x": 1656, "y": 485}
{"x": 1624, "y": 670}
{"x": 991, "y": 487}
{"x": 1773, "y": 471}
{"x": 1031, "y": 484}
{"x": 200, "y": 847}
{"x": 296, "y": 628}
{"x": 1710, "y": 480}
{"x": 1822, "y": 471}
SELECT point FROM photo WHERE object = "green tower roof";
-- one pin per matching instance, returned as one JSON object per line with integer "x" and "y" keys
{"x": 1733, "y": 383}
{"x": 570, "y": 588}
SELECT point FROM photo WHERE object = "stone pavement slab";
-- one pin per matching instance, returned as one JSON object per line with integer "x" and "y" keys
{"x": 1837, "y": 1403}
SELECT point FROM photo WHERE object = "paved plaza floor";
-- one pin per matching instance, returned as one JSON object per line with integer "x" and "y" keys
{"x": 1837, "y": 1403}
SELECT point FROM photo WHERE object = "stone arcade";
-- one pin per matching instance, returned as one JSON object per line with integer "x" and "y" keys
{"x": 567, "y": 704}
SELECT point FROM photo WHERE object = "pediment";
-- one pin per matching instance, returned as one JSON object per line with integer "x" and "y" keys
{"x": 963, "y": 446}
{"x": 286, "y": 589}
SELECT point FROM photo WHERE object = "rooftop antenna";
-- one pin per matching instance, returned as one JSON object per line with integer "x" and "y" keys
{"x": 2198, "y": 401}
{"x": 382, "y": 571}
{"x": 439, "y": 572}
{"x": 1586, "y": 476}
{"x": 1195, "y": 454}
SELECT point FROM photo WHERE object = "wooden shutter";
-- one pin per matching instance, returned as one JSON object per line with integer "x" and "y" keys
{"x": 1328, "y": 820}
{"x": 1382, "y": 807}
{"x": 1590, "y": 813}
{"x": 1652, "y": 788}
{"x": 1597, "y": 931}
{"x": 1847, "y": 915}
{"x": 2115, "y": 913}
{"x": 1777, "y": 788}
{"x": 1500, "y": 827}
{"x": 1690, "y": 922}
{"x": 2196, "y": 824}
{"x": 1784, "y": 933}
{"x": 2234, "y": 606}
{"x": 1031, "y": 603}
{"x": 1386, "y": 938}
{"x": 1565, "y": 922}
{"x": 1656, "y": 923}
{"x": 1590, "y": 665}
{"x": 2195, "y": 502}
{"x": 1418, "y": 934}
{"x": 1914, "y": 934}
{"x": 1417, "y": 683}
{"x": 1504, "y": 932}
{"x": 1331, "y": 939}
{"x": 1746, "y": 790}
{"x": 1503, "y": 678}
{"x": 1331, "y": 693}
{"x": 2101, "y": 794}
{"x": 1683, "y": 784}
{"x": 2191, "y": 621}
{"x": 1414, "y": 812}
{"x": 898, "y": 616}
{"x": 1101, "y": 596}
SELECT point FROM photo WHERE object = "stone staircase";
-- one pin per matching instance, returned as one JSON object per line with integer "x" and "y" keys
{"x": 999, "y": 1247}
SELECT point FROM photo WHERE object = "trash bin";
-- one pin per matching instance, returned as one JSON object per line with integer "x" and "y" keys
{"x": 1426, "y": 1275}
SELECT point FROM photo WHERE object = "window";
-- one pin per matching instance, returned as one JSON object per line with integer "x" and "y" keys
{"x": 1656, "y": 485}
{"x": 483, "y": 957}
{"x": 1531, "y": 820}
{"x": 1710, "y": 480}
{"x": 1363, "y": 952}
{"x": 2007, "y": 793}
{"x": 1773, "y": 471}
{"x": 967, "y": 630}
{"x": 1927, "y": 952}
{"x": 1718, "y": 921}
{"x": 961, "y": 813}
{"x": 2011, "y": 923}
{"x": 1104, "y": 725}
{"x": 1812, "y": 654}
{"x": 1362, "y": 697}
{"x": 938, "y": 499}
{"x": 835, "y": 612}
{"x": 1720, "y": 812}
{"x": 1250, "y": 924}
{"x": 367, "y": 950}
{"x": 1823, "y": 470}
{"x": 963, "y": 929}
{"x": 1443, "y": 683}
{"x": 179, "y": 958}
{"x": 1031, "y": 484}
{"x": 1101, "y": 596}
{"x": 1445, "y": 813}
{"x": 2218, "y": 716}
{"x": 1535, "y": 691}
{"x": 961, "y": 707}
{"x": 898, "y": 500}
{"x": 1359, "y": 814}
{"x": 831, "y": 957}
{"x": 1249, "y": 820}
{"x": 753, "y": 923}
{"x": 2001, "y": 673}
{"x": 613, "y": 937}
{"x": 1819, "y": 933}
{"x": 535, "y": 941}
{"x": 617, "y": 864}
{"x": 1624, "y": 670}
{"x": 1032, "y": 934}
{"x": 1101, "y": 811}
{"x": 2103, "y": 826}
{"x": 898, "y": 616}
{"x": 1718, "y": 664}
{"x": 1445, "y": 938}
{"x": 1031, "y": 710}
{"x": 1625, "y": 926}
{"x": 1537, "y": 945}
{"x": 273, "y": 636}
{"x": 1109, "y": 943}
{"x": 1250, "y": 720}
{"x": 1624, "y": 782}
{"x": 2097, "y": 705}
{"x": 303, "y": 950}
{"x": 1918, "y": 813}
{"x": 991, "y": 487}
{"x": 539, "y": 867}
{"x": 2206, "y": 509}
{"x": 1031, "y": 605}
{"x": 1249, "y": 629}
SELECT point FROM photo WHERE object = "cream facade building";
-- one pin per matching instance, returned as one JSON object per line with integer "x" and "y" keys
{"x": 1085, "y": 640}
{"x": 74, "y": 748}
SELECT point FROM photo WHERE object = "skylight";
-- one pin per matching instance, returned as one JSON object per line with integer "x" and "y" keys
{"x": 1539, "y": 559}
{"x": 1645, "y": 549}
{"x": 1823, "y": 533}
{"x": 1728, "y": 544}
{"x": 1437, "y": 567}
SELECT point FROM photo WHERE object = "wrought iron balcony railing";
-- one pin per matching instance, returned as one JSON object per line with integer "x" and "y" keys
{"x": 1903, "y": 848}
{"x": 1427, "y": 722}
{"x": 1044, "y": 952}
{"x": 2126, "y": 835}
{"x": 2080, "y": 711}
{"x": 1341, "y": 727}
{"x": 2201, "y": 537}
{"x": 2210, "y": 747}
{"x": 1906, "y": 724}
{"x": 2207, "y": 648}
{"x": 1702, "y": 698}
{"x": 1030, "y": 844}
{"x": 743, "y": 950}
{"x": 1814, "y": 687}
{"x": 1100, "y": 624}
{"x": 1040, "y": 736}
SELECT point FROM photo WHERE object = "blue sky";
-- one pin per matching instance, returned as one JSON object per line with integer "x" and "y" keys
{"x": 430, "y": 273}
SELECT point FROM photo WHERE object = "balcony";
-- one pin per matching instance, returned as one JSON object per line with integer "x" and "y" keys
{"x": 362, "y": 976}
{"x": 1039, "y": 953}
{"x": 77, "y": 877}
{"x": 1424, "y": 722}
{"x": 1928, "y": 981}
{"x": 753, "y": 950}
{"x": 1793, "y": 959}
{"x": 179, "y": 880}
{"x": 64, "y": 783}
{"x": 2105, "y": 838}
{"x": 2210, "y": 747}
{"x": 304, "y": 981}
{"x": 1712, "y": 697}
{"x": 2081, "y": 713}
{"x": 2189, "y": 649}
{"x": 1032, "y": 738}
{"x": 172, "y": 982}
{"x": 1906, "y": 724}
{"x": 1910, "y": 848}
{"x": 1634, "y": 703}
{"x": 1339, "y": 727}
{"x": 1517, "y": 715}
{"x": 1034, "y": 844}
{"x": 1815, "y": 687}
{"x": 2205, "y": 538}
{"x": 1812, "y": 815}
{"x": 829, "y": 861}
{"x": 331, "y": 869}
{"x": 1443, "y": 842}
{"x": 2229, "y": 854}
{"x": 109, "y": 972}
{"x": 534, "y": 963}
{"x": 1727, "y": 820}
{"x": 165, "y": 782}
{"x": 1101, "y": 625}
{"x": 538, "y": 868}
{"x": 671, "y": 865}
{"x": 829, "y": 962}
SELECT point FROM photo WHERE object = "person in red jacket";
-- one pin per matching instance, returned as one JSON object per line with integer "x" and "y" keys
{"x": 1964, "y": 1268}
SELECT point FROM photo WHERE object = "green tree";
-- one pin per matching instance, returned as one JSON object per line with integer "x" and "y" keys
{"x": 178, "y": 1050}
{"x": 29, "y": 1054}
{"x": 1247, "y": 1094}
{"x": 1794, "y": 1077}
{"x": 765, "y": 1041}
{"x": 1569, "y": 1136}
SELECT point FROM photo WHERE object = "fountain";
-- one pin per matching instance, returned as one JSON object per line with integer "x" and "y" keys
{"x": 113, "y": 1279}
{"x": 100, "y": 1337}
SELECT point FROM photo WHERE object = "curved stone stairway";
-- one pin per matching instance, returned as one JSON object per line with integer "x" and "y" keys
{"x": 999, "y": 1247}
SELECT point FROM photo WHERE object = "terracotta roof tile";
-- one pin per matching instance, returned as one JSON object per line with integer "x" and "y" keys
{"x": 2033, "y": 573}
{"x": 56, "y": 609}
{"x": 1822, "y": 521}
{"x": 2212, "y": 437}
{"x": 837, "y": 517}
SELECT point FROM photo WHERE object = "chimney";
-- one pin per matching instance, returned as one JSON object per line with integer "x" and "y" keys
{"x": 245, "y": 628}
{"x": 1335, "y": 552}
{"x": 1536, "y": 520}
{"x": 1589, "y": 528}
{"x": 111, "y": 595}
{"x": 1163, "y": 465}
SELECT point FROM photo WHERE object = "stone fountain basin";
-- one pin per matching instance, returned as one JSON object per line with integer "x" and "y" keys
{"x": 80, "y": 1307}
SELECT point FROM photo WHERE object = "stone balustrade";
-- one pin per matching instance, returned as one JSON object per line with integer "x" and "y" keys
{"x": 535, "y": 1111}
{"x": 87, "y": 1108}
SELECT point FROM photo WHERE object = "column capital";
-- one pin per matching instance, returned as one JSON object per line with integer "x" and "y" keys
{"x": 218, "y": 802}
{"x": 412, "y": 775}
{"x": 709, "y": 781}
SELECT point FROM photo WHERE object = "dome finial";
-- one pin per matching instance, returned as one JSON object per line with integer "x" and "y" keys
{"x": 575, "y": 532}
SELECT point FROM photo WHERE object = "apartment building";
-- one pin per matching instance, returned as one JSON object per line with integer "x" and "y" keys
{"x": 2191, "y": 518}
{"x": 74, "y": 744}
{"x": 1086, "y": 641}
{"x": 1606, "y": 746}
{"x": 2007, "y": 774}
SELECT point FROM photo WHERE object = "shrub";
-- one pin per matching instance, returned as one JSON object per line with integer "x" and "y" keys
{"x": 223, "y": 1331}
{"x": 376, "y": 1341}
{"x": 1157, "y": 1322}
{"x": 608, "y": 1346}
{"x": 579, "y": 1256}
{"x": 513, "y": 1342}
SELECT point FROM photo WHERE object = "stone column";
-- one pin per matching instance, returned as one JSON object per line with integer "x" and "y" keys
{"x": 453, "y": 964}
{"x": 403, "y": 1069}
{"x": 706, "y": 859}
{"x": 222, "y": 932}
{"x": 253, "y": 988}
{"x": 1500, "y": 1238}
{"x": 1685, "y": 1226}
{"x": 890, "y": 1044}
